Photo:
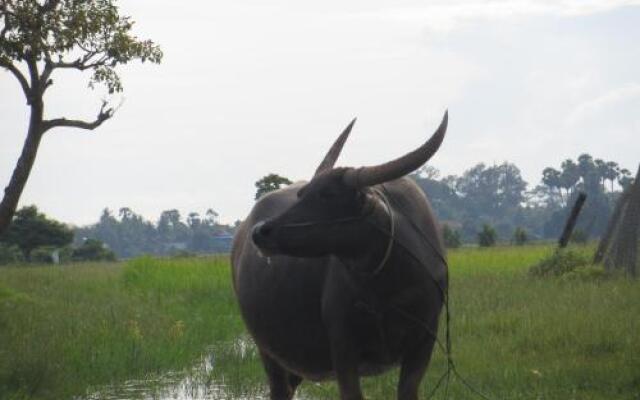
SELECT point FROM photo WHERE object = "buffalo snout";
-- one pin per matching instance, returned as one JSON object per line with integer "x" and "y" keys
{"x": 262, "y": 235}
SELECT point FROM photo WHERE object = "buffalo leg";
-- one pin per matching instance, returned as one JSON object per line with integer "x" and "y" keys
{"x": 340, "y": 317}
{"x": 414, "y": 364}
{"x": 282, "y": 384}
{"x": 345, "y": 364}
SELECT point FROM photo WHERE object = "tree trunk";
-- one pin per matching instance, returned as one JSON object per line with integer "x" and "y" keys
{"x": 23, "y": 168}
{"x": 571, "y": 222}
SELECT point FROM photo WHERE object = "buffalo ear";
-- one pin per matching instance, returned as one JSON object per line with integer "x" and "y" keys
{"x": 334, "y": 152}
{"x": 369, "y": 176}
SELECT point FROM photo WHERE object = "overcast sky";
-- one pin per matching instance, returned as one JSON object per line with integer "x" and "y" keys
{"x": 247, "y": 88}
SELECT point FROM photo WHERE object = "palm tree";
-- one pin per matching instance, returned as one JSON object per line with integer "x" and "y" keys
{"x": 551, "y": 178}
{"x": 613, "y": 171}
{"x": 588, "y": 172}
{"x": 585, "y": 164}
{"x": 601, "y": 170}
{"x": 570, "y": 176}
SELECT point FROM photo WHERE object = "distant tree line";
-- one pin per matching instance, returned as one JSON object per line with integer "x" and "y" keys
{"x": 128, "y": 234}
{"x": 486, "y": 204}
{"x": 33, "y": 237}
{"x": 497, "y": 198}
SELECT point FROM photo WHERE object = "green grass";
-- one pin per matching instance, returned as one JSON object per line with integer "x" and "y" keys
{"x": 519, "y": 337}
{"x": 68, "y": 330}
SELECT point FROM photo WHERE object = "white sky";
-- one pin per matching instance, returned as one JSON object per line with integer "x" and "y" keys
{"x": 247, "y": 88}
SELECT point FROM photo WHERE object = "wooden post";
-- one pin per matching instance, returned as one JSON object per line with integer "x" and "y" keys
{"x": 571, "y": 221}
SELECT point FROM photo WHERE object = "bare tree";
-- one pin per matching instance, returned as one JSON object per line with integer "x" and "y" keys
{"x": 39, "y": 37}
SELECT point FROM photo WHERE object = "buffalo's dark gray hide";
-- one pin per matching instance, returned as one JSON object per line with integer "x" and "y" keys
{"x": 315, "y": 297}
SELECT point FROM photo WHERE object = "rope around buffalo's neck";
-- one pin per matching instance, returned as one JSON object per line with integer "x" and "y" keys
{"x": 392, "y": 233}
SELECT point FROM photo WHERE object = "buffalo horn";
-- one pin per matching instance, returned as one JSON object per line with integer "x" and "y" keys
{"x": 334, "y": 151}
{"x": 368, "y": 176}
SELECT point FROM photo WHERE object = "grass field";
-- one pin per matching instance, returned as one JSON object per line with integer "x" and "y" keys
{"x": 68, "y": 331}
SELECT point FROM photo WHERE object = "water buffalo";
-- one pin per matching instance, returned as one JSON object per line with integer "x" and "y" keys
{"x": 343, "y": 276}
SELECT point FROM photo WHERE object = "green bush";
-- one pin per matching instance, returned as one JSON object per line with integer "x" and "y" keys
{"x": 520, "y": 236}
{"x": 93, "y": 250}
{"x": 10, "y": 254}
{"x": 451, "y": 237}
{"x": 31, "y": 229}
{"x": 487, "y": 237}
{"x": 44, "y": 254}
{"x": 559, "y": 263}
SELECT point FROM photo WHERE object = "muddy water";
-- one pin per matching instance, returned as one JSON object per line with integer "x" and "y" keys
{"x": 192, "y": 384}
{"x": 195, "y": 383}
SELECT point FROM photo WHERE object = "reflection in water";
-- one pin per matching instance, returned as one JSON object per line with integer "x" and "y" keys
{"x": 193, "y": 384}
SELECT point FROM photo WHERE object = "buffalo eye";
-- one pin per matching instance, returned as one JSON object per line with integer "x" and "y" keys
{"x": 328, "y": 195}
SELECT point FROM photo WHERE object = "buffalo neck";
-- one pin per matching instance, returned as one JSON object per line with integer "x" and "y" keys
{"x": 375, "y": 236}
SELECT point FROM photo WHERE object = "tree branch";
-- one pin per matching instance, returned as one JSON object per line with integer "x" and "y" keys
{"x": 104, "y": 114}
{"x": 85, "y": 62}
{"x": 81, "y": 63}
{"x": 46, "y": 75}
{"x": 19, "y": 76}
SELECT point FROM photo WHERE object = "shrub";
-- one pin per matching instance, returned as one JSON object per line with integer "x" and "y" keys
{"x": 45, "y": 254}
{"x": 451, "y": 237}
{"x": 31, "y": 229}
{"x": 93, "y": 250}
{"x": 42, "y": 255}
{"x": 559, "y": 263}
{"x": 520, "y": 236}
{"x": 487, "y": 237}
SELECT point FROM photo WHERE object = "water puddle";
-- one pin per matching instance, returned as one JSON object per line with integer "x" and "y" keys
{"x": 196, "y": 383}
